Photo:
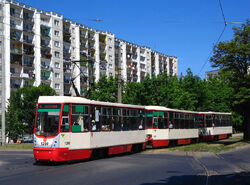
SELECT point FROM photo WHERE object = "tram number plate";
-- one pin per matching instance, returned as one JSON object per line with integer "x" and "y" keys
{"x": 44, "y": 143}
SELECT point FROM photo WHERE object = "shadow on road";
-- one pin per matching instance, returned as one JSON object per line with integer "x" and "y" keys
{"x": 230, "y": 179}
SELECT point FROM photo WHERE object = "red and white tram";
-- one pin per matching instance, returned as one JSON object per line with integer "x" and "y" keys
{"x": 71, "y": 128}
{"x": 215, "y": 125}
{"x": 164, "y": 125}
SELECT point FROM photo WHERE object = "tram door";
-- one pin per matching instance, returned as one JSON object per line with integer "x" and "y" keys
{"x": 155, "y": 120}
{"x": 65, "y": 128}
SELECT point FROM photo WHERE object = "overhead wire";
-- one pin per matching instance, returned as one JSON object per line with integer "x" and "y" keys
{"x": 218, "y": 40}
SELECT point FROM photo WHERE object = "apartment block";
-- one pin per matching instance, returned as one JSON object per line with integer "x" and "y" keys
{"x": 40, "y": 47}
{"x": 136, "y": 62}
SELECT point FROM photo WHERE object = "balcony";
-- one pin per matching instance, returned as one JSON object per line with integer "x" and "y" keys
{"x": 15, "y": 36}
{"x": 28, "y": 41}
{"x": 102, "y": 56}
{"x": 66, "y": 29}
{"x": 66, "y": 91}
{"x": 66, "y": 37}
{"x": 16, "y": 26}
{"x": 29, "y": 82}
{"x": 28, "y": 65}
{"x": 45, "y": 67}
{"x": 66, "y": 57}
{"x": 83, "y": 33}
{"x": 45, "y": 75}
{"x": 83, "y": 44}
{"x": 45, "y": 21}
{"x": 46, "y": 55}
{"x": 29, "y": 75}
{"x": 45, "y": 31}
{"x": 91, "y": 37}
{"x": 45, "y": 44}
{"x": 28, "y": 51}
{"x": 102, "y": 50}
{"x": 16, "y": 51}
{"x": 66, "y": 80}
{"x": 15, "y": 14}
{"x": 65, "y": 70}
{"x": 16, "y": 74}
{"x": 15, "y": 86}
{"x": 28, "y": 29}
{"x": 28, "y": 18}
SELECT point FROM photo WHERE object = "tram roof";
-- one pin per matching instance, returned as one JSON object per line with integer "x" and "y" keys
{"x": 209, "y": 113}
{"x": 69, "y": 99}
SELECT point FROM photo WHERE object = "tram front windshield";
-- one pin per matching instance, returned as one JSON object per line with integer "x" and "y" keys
{"x": 47, "y": 122}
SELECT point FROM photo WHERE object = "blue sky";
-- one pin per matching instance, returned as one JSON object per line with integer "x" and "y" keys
{"x": 181, "y": 28}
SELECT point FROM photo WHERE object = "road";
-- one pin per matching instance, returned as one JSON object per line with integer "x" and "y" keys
{"x": 147, "y": 168}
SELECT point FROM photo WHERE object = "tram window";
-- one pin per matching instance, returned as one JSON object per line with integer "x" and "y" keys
{"x": 176, "y": 120}
{"x": 161, "y": 121}
{"x": 218, "y": 121}
{"x": 79, "y": 118}
{"x": 107, "y": 119}
{"x": 141, "y": 120}
{"x": 117, "y": 119}
{"x": 209, "y": 120}
{"x": 171, "y": 120}
{"x": 149, "y": 119}
{"x": 95, "y": 118}
{"x": 192, "y": 121}
{"x": 199, "y": 121}
{"x": 65, "y": 119}
{"x": 125, "y": 124}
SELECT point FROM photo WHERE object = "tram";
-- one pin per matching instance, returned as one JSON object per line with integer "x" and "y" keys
{"x": 215, "y": 126}
{"x": 72, "y": 128}
{"x": 166, "y": 126}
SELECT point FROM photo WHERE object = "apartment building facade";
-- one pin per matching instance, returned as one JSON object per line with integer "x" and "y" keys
{"x": 46, "y": 48}
{"x": 135, "y": 62}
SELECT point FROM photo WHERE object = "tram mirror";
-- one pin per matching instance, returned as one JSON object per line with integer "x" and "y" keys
{"x": 97, "y": 113}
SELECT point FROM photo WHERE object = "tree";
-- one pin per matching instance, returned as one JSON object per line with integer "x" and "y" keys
{"x": 234, "y": 56}
{"x": 20, "y": 115}
{"x": 105, "y": 89}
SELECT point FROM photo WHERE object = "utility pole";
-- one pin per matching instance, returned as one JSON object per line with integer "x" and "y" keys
{"x": 3, "y": 78}
{"x": 119, "y": 95}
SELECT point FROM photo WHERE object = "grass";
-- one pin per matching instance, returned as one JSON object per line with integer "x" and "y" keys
{"x": 17, "y": 146}
{"x": 219, "y": 146}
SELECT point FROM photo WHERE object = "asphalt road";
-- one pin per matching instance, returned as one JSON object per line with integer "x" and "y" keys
{"x": 148, "y": 168}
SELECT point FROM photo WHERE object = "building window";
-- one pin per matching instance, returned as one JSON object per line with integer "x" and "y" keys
{"x": 57, "y": 44}
{"x": 57, "y": 54}
{"x": 57, "y": 86}
{"x": 56, "y": 33}
{"x": 56, "y": 22}
{"x": 57, "y": 75}
{"x": 57, "y": 65}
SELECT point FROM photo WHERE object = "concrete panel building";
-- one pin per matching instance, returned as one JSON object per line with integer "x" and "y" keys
{"x": 39, "y": 47}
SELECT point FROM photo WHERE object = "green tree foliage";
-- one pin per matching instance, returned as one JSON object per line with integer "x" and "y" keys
{"x": 105, "y": 89}
{"x": 20, "y": 115}
{"x": 234, "y": 56}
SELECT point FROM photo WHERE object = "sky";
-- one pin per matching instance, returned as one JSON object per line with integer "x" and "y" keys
{"x": 181, "y": 28}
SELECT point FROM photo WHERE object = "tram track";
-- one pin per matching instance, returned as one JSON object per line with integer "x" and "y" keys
{"x": 207, "y": 172}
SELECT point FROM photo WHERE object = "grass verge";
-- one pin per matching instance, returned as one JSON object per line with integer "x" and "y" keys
{"x": 17, "y": 146}
{"x": 217, "y": 146}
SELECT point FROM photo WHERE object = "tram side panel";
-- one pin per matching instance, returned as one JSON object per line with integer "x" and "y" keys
{"x": 162, "y": 137}
{"x": 210, "y": 133}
